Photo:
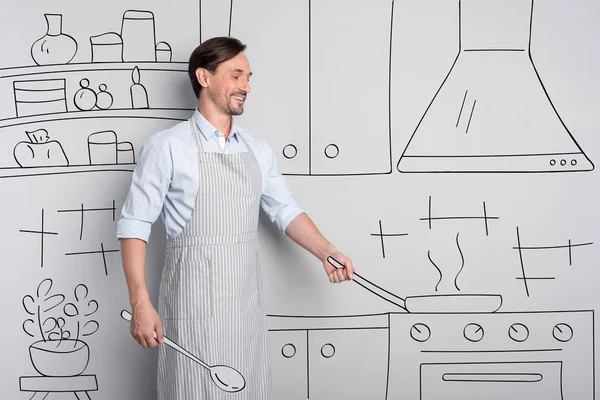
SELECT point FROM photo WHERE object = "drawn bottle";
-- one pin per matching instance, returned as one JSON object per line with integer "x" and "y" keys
{"x": 55, "y": 47}
{"x": 139, "y": 96}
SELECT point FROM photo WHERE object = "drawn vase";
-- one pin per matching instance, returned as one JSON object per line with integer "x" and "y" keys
{"x": 55, "y": 47}
{"x": 66, "y": 357}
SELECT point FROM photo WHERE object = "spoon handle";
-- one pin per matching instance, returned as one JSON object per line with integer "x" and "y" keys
{"x": 127, "y": 316}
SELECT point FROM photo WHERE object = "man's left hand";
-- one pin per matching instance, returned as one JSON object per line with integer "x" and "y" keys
{"x": 337, "y": 275}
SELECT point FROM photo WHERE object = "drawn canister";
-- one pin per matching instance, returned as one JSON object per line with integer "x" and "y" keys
{"x": 137, "y": 33}
{"x": 102, "y": 148}
{"x": 107, "y": 47}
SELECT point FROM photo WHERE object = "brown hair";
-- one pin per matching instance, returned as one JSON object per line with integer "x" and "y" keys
{"x": 210, "y": 54}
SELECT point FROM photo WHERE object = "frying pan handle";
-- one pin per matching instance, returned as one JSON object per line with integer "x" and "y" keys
{"x": 371, "y": 287}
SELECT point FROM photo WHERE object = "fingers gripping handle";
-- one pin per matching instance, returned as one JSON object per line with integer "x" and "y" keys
{"x": 127, "y": 317}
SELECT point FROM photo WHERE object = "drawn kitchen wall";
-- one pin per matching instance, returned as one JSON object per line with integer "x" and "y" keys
{"x": 464, "y": 281}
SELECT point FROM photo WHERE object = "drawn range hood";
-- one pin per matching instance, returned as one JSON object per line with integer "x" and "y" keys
{"x": 492, "y": 112}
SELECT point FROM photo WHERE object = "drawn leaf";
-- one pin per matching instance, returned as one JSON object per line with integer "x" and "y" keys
{"x": 92, "y": 304}
{"x": 50, "y": 321}
{"x": 44, "y": 287}
{"x": 54, "y": 301}
{"x": 29, "y": 304}
{"x": 70, "y": 310}
{"x": 95, "y": 327}
{"x": 25, "y": 323}
{"x": 81, "y": 292}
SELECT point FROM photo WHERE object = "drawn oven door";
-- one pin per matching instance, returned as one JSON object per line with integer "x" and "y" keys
{"x": 497, "y": 381}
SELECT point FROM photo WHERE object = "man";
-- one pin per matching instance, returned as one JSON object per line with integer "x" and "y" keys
{"x": 208, "y": 178}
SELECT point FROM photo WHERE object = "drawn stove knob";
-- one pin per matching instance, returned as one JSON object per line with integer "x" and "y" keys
{"x": 562, "y": 332}
{"x": 420, "y": 332}
{"x": 518, "y": 332}
{"x": 473, "y": 332}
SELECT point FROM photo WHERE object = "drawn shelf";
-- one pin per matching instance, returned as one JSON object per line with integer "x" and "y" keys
{"x": 75, "y": 142}
{"x": 91, "y": 66}
{"x": 43, "y": 90}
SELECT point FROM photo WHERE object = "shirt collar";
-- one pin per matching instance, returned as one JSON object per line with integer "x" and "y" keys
{"x": 207, "y": 129}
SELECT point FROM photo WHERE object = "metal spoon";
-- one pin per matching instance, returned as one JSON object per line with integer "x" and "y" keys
{"x": 226, "y": 378}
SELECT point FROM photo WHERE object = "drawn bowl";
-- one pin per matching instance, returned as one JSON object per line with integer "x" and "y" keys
{"x": 67, "y": 357}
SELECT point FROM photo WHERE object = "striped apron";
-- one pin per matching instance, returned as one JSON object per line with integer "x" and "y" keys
{"x": 211, "y": 297}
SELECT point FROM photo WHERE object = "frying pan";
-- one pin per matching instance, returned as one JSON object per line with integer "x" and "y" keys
{"x": 443, "y": 303}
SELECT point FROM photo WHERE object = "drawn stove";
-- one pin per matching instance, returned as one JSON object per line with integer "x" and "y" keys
{"x": 469, "y": 356}
{"x": 516, "y": 355}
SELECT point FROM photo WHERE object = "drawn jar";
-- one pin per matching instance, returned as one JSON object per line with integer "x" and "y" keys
{"x": 55, "y": 47}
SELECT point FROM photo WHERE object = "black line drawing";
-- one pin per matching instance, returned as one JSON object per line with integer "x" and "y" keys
{"x": 135, "y": 43}
{"x": 100, "y": 154}
{"x": 419, "y": 356}
{"x": 485, "y": 217}
{"x": 307, "y": 347}
{"x": 437, "y": 304}
{"x": 40, "y": 151}
{"x": 102, "y": 251}
{"x": 83, "y": 210}
{"x": 224, "y": 377}
{"x": 322, "y": 144}
{"x": 42, "y": 233}
{"x": 104, "y": 98}
{"x": 106, "y": 47}
{"x": 60, "y": 354}
{"x": 138, "y": 36}
{"x": 139, "y": 96}
{"x": 55, "y": 47}
{"x": 164, "y": 53}
{"x": 491, "y": 81}
{"x": 524, "y": 277}
{"x": 105, "y": 149}
{"x": 462, "y": 266}
{"x": 85, "y": 98}
{"x": 381, "y": 235}
{"x": 506, "y": 377}
{"x": 437, "y": 268}
{"x": 40, "y": 97}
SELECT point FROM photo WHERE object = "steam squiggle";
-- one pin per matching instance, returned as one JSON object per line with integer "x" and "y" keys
{"x": 462, "y": 264}
{"x": 436, "y": 267}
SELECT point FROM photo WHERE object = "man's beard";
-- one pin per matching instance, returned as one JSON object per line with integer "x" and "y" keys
{"x": 225, "y": 105}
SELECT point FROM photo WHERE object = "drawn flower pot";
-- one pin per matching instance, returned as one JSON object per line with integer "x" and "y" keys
{"x": 66, "y": 357}
{"x": 39, "y": 151}
{"x": 55, "y": 47}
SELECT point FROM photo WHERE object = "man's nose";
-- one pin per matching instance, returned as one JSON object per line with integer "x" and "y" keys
{"x": 246, "y": 86}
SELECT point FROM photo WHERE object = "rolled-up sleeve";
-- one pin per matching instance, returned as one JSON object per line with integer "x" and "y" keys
{"x": 149, "y": 185}
{"x": 277, "y": 200}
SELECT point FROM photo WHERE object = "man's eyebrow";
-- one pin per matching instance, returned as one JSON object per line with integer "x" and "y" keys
{"x": 241, "y": 71}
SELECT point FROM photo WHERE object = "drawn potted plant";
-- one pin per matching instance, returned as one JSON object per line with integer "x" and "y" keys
{"x": 60, "y": 350}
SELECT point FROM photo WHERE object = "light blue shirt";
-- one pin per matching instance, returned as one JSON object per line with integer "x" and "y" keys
{"x": 165, "y": 181}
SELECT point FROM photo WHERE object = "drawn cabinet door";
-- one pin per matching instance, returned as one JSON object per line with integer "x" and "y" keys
{"x": 288, "y": 364}
{"x": 278, "y": 50}
{"x": 348, "y": 364}
{"x": 350, "y": 87}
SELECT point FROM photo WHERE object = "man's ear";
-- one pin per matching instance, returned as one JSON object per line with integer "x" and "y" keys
{"x": 202, "y": 76}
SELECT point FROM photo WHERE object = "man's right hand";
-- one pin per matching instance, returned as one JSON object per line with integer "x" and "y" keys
{"x": 144, "y": 322}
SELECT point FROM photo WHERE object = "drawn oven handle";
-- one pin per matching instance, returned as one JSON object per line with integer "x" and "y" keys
{"x": 491, "y": 377}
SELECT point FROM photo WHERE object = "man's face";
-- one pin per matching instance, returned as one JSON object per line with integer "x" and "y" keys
{"x": 229, "y": 85}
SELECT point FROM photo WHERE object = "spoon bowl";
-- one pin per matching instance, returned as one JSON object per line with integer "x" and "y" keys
{"x": 227, "y": 378}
